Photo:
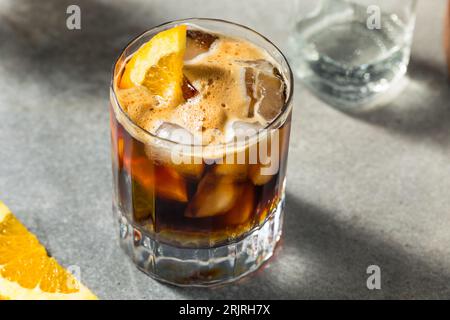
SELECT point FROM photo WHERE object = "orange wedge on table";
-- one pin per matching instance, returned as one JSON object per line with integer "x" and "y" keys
{"x": 158, "y": 66}
{"x": 26, "y": 271}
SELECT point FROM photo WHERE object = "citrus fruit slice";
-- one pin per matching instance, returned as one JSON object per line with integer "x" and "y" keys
{"x": 26, "y": 271}
{"x": 158, "y": 65}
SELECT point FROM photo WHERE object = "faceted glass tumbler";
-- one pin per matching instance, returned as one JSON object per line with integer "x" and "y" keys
{"x": 151, "y": 195}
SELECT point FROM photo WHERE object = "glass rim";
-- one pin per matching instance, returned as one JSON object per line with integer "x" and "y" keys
{"x": 287, "y": 106}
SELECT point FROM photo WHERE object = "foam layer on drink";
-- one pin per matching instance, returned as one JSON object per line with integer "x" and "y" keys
{"x": 229, "y": 83}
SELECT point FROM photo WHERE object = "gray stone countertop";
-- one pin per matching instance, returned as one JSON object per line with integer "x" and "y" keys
{"x": 362, "y": 190}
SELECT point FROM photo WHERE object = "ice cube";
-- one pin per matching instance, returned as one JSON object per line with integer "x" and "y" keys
{"x": 250, "y": 76}
{"x": 139, "y": 184}
{"x": 176, "y": 133}
{"x": 268, "y": 162}
{"x": 170, "y": 184}
{"x": 198, "y": 42}
{"x": 271, "y": 93}
{"x": 265, "y": 88}
{"x": 166, "y": 182}
{"x": 186, "y": 164}
{"x": 234, "y": 171}
{"x": 243, "y": 209}
{"x": 256, "y": 175}
{"x": 140, "y": 169}
{"x": 241, "y": 130}
{"x": 142, "y": 202}
{"x": 215, "y": 196}
{"x": 260, "y": 65}
{"x": 191, "y": 167}
{"x": 235, "y": 164}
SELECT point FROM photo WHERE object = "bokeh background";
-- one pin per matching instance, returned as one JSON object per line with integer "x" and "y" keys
{"x": 366, "y": 189}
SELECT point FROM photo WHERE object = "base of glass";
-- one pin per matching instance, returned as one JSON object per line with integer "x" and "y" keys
{"x": 201, "y": 266}
{"x": 362, "y": 99}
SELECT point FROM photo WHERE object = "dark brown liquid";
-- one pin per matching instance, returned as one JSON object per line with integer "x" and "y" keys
{"x": 168, "y": 201}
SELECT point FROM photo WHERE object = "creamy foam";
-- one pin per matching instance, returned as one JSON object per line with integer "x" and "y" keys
{"x": 225, "y": 73}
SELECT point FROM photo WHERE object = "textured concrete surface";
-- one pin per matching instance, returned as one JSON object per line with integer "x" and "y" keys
{"x": 362, "y": 190}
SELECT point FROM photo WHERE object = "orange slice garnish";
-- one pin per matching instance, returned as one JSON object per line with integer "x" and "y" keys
{"x": 158, "y": 65}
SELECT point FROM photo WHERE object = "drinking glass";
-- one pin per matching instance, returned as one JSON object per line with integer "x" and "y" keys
{"x": 168, "y": 211}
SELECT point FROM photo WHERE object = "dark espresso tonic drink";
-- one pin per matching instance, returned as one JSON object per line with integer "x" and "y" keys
{"x": 200, "y": 123}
